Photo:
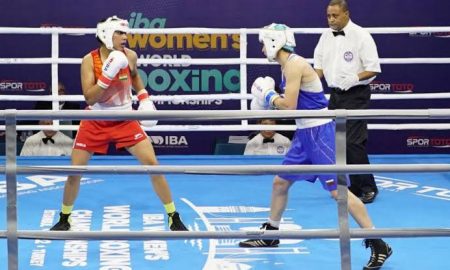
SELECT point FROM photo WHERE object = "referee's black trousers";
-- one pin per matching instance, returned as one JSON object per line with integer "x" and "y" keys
{"x": 356, "y": 98}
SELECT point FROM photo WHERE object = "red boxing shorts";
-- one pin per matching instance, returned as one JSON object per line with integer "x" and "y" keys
{"x": 95, "y": 136}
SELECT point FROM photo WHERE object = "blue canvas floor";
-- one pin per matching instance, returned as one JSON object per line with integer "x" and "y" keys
{"x": 222, "y": 203}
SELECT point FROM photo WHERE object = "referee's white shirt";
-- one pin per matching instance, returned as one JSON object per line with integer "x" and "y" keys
{"x": 34, "y": 146}
{"x": 350, "y": 54}
{"x": 255, "y": 146}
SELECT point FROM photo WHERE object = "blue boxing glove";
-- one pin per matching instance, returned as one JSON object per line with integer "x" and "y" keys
{"x": 263, "y": 91}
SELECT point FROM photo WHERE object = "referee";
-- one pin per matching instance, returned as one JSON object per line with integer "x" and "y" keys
{"x": 347, "y": 57}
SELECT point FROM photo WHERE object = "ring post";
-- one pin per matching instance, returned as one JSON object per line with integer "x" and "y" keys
{"x": 11, "y": 189}
{"x": 341, "y": 159}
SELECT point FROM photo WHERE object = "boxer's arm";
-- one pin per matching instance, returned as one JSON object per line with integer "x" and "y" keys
{"x": 91, "y": 91}
{"x": 136, "y": 80}
{"x": 319, "y": 72}
{"x": 293, "y": 72}
{"x": 145, "y": 104}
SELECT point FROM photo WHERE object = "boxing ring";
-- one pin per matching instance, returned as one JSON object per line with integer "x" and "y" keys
{"x": 128, "y": 232}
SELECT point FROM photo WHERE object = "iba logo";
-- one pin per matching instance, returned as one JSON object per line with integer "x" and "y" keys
{"x": 169, "y": 141}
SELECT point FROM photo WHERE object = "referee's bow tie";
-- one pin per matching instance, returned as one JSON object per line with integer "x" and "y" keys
{"x": 268, "y": 140}
{"x": 338, "y": 33}
{"x": 45, "y": 140}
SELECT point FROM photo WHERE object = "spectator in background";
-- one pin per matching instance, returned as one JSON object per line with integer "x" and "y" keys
{"x": 267, "y": 142}
{"x": 47, "y": 142}
{"x": 63, "y": 105}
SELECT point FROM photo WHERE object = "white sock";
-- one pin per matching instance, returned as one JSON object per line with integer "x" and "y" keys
{"x": 274, "y": 223}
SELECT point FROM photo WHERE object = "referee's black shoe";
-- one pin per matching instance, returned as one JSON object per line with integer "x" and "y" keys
{"x": 256, "y": 243}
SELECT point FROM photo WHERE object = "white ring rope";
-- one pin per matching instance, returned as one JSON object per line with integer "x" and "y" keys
{"x": 183, "y": 98}
{"x": 232, "y": 169}
{"x": 200, "y": 115}
{"x": 197, "y": 30}
{"x": 301, "y": 234}
{"x": 220, "y": 61}
{"x": 248, "y": 127}
{"x": 213, "y": 61}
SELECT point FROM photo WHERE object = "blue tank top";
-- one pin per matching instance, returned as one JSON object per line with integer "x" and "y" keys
{"x": 311, "y": 95}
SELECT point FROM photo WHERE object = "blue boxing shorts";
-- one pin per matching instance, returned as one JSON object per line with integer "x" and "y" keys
{"x": 315, "y": 146}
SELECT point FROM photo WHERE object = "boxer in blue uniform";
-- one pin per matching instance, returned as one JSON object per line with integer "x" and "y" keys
{"x": 314, "y": 139}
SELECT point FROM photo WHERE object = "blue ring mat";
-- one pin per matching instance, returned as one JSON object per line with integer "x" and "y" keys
{"x": 222, "y": 203}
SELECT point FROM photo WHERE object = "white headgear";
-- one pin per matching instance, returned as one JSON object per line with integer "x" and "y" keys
{"x": 106, "y": 29}
{"x": 276, "y": 37}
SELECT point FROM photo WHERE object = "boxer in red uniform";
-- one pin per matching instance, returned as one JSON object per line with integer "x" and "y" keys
{"x": 108, "y": 75}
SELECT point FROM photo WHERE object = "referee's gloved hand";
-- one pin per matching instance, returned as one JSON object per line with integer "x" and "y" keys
{"x": 347, "y": 81}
